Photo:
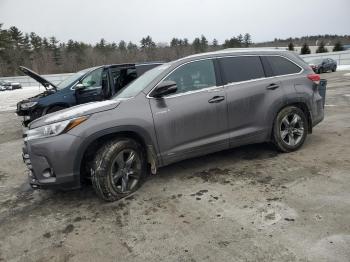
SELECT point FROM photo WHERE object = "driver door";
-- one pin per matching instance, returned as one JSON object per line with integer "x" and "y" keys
{"x": 94, "y": 85}
{"x": 192, "y": 121}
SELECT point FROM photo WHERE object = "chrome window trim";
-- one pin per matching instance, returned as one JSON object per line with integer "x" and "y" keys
{"x": 228, "y": 84}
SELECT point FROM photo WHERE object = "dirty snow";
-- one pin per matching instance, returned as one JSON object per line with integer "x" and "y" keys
{"x": 10, "y": 98}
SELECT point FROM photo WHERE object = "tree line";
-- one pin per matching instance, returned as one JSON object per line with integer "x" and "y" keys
{"x": 50, "y": 56}
{"x": 321, "y": 48}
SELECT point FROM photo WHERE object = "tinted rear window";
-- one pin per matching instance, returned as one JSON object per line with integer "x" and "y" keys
{"x": 236, "y": 69}
{"x": 282, "y": 66}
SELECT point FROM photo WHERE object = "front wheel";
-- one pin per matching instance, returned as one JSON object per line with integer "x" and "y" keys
{"x": 290, "y": 129}
{"x": 118, "y": 169}
{"x": 334, "y": 69}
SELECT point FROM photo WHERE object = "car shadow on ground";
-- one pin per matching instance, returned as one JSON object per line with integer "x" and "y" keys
{"x": 186, "y": 168}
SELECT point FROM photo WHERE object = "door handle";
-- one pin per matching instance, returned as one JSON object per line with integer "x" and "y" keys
{"x": 272, "y": 86}
{"x": 216, "y": 99}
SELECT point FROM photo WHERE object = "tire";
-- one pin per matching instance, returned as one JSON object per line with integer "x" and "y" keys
{"x": 54, "y": 109}
{"x": 320, "y": 71}
{"x": 290, "y": 129}
{"x": 334, "y": 69}
{"x": 113, "y": 176}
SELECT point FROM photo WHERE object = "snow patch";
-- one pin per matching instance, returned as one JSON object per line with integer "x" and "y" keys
{"x": 10, "y": 98}
{"x": 343, "y": 67}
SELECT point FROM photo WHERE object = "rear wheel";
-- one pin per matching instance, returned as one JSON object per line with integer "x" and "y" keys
{"x": 118, "y": 169}
{"x": 334, "y": 69}
{"x": 290, "y": 129}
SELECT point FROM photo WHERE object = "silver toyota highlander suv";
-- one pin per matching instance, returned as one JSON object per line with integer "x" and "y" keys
{"x": 186, "y": 108}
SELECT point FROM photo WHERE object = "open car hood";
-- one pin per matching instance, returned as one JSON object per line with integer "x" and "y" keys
{"x": 37, "y": 77}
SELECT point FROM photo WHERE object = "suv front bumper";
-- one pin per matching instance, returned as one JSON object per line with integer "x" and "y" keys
{"x": 51, "y": 162}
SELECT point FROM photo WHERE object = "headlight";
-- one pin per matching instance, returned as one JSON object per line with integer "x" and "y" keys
{"x": 28, "y": 105}
{"x": 54, "y": 129}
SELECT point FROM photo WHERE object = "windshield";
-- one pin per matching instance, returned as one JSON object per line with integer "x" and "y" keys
{"x": 316, "y": 61}
{"x": 140, "y": 83}
{"x": 73, "y": 78}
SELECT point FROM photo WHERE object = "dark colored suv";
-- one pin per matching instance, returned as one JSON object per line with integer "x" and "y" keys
{"x": 322, "y": 65}
{"x": 89, "y": 85}
{"x": 190, "y": 107}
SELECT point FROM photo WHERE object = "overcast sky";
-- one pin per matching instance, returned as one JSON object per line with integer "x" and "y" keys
{"x": 130, "y": 20}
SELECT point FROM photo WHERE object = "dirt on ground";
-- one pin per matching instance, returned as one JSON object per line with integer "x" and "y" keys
{"x": 245, "y": 204}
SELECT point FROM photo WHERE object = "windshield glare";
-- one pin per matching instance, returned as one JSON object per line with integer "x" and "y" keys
{"x": 316, "y": 61}
{"x": 140, "y": 83}
{"x": 73, "y": 78}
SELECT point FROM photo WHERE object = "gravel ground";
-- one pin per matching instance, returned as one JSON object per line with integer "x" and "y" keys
{"x": 245, "y": 204}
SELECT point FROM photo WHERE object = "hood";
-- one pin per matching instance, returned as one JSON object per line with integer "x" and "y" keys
{"x": 37, "y": 77}
{"x": 75, "y": 111}
{"x": 38, "y": 96}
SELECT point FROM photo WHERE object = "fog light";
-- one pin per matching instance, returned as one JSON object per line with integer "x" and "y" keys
{"x": 48, "y": 173}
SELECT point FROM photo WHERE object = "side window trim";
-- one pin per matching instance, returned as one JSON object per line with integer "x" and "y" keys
{"x": 225, "y": 82}
{"x": 301, "y": 68}
{"x": 218, "y": 72}
{"x": 220, "y": 85}
{"x": 206, "y": 89}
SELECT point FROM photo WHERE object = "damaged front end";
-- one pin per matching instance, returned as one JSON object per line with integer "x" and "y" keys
{"x": 29, "y": 108}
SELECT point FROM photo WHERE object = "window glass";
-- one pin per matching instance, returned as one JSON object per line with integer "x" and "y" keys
{"x": 282, "y": 66}
{"x": 194, "y": 76}
{"x": 243, "y": 68}
{"x": 140, "y": 83}
{"x": 93, "y": 80}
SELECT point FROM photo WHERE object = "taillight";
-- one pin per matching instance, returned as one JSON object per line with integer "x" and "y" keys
{"x": 314, "y": 78}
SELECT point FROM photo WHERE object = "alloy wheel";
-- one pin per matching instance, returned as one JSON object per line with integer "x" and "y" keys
{"x": 292, "y": 129}
{"x": 126, "y": 171}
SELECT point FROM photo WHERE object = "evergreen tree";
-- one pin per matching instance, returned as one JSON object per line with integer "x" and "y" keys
{"x": 16, "y": 36}
{"x": 196, "y": 45}
{"x": 232, "y": 43}
{"x": 338, "y": 47}
{"x": 215, "y": 43}
{"x": 305, "y": 49}
{"x": 35, "y": 41}
{"x": 204, "y": 43}
{"x": 56, "y": 53}
{"x": 321, "y": 48}
{"x": 240, "y": 39}
{"x": 122, "y": 46}
{"x": 147, "y": 43}
{"x": 247, "y": 41}
{"x": 291, "y": 46}
{"x": 131, "y": 47}
{"x": 174, "y": 42}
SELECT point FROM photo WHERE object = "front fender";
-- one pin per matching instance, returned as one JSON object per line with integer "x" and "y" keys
{"x": 139, "y": 131}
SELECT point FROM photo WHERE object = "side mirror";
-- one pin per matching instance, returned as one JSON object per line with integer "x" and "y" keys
{"x": 164, "y": 88}
{"x": 79, "y": 87}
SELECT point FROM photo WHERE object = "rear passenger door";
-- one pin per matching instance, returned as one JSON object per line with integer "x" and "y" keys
{"x": 250, "y": 95}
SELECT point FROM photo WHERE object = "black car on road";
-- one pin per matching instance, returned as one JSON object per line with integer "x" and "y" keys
{"x": 322, "y": 65}
{"x": 88, "y": 85}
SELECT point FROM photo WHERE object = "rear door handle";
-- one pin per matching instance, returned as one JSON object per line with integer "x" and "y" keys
{"x": 216, "y": 99}
{"x": 272, "y": 86}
